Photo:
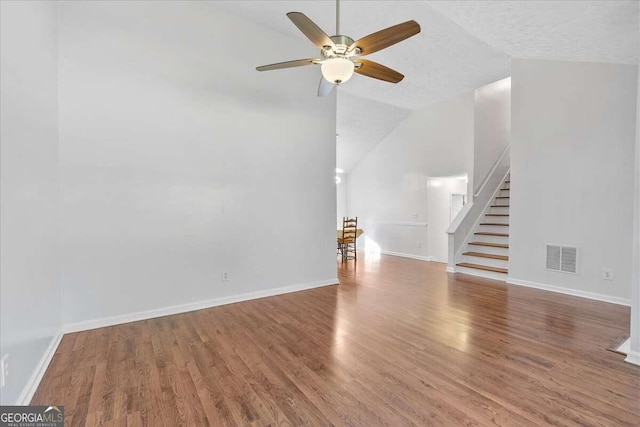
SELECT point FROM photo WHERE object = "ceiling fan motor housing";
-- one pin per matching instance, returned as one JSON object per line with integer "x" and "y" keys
{"x": 342, "y": 46}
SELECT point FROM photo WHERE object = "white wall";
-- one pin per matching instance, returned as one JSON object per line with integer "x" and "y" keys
{"x": 389, "y": 186}
{"x": 439, "y": 192}
{"x": 635, "y": 259}
{"x": 492, "y": 127}
{"x": 572, "y": 162}
{"x": 342, "y": 198}
{"x": 179, "y": 161}
{"x": 29, "y": 217}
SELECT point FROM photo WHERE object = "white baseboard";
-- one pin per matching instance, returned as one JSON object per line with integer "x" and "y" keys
{"x": 633, "y": 357}
{"x": 403, "y": 255}
{"x": 450, "y": 270}
{"x": 625, "y": 347}
{"x": 34, "y": 380}
{"x": 569, "y": 291}
{"x": 192, "y": 306}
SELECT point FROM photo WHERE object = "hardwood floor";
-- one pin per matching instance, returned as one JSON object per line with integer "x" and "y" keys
{"x": 398, "y": 342}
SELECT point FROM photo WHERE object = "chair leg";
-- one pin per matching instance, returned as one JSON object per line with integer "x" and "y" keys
{"x": 341, "y": 250}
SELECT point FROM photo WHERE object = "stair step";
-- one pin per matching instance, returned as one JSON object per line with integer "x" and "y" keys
{"x": 488, "y": 233}
{"x": 502, "y": 197}
{"x": 499, "y": 206}
{"x": 492, "y": 214}
{"x": 506, "y": 182}
{"x": 491, "y": 245}
{"x": 505, "y": 189}
{"x": 494, "y": 223}
{"x": 482, "y": 267}
{"x": 482, "y": 255}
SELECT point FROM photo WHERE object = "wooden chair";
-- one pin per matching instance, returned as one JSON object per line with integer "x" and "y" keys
{"x": 347, "y": 243}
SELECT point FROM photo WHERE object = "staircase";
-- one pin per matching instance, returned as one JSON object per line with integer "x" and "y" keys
{"x": 487, "y": 252}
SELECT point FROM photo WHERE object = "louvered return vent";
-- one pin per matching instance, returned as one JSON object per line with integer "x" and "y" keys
{"x": 562, "y": 258}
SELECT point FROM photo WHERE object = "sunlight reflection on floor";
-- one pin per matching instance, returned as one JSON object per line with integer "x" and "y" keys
{"x": 371, "y": 248}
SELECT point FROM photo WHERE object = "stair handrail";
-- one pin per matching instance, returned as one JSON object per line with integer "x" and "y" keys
{"x": 493, "y": 169}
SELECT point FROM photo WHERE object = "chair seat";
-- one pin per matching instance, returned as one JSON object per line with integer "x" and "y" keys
{"x": 346, "y": 240}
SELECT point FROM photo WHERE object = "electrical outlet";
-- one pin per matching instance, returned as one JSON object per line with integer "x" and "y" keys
{"x": 607, "y": 274}
{"x": 4, "y": 370}
{"x": 225, "y": 276}
{"x": 418, "y": 244}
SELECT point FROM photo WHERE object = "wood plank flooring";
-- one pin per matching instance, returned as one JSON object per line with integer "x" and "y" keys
{"x": 399, "y": 342}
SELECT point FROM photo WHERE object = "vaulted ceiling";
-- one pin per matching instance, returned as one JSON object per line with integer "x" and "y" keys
{"x": 463, "y": 45}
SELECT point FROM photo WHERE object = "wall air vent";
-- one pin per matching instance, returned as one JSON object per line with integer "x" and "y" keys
{"x": 562, "y": 258}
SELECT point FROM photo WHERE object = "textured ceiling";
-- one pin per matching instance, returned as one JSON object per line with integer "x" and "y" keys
{"x": 600, "y": 31}
{"x": 463, "y": 45}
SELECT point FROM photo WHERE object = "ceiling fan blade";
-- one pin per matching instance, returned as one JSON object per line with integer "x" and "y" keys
{"x": 288, "y": 64}
{"x": 311, "y": 30}
{"x": 385, "y": 38}
{"x": 325, "y": 88}
{"x": 377, "y": 71}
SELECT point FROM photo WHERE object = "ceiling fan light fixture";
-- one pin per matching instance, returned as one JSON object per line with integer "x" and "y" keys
{"x": 337, "y": 70}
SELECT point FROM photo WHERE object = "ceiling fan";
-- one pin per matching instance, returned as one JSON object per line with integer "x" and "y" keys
{"x": 341, "y": 55}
